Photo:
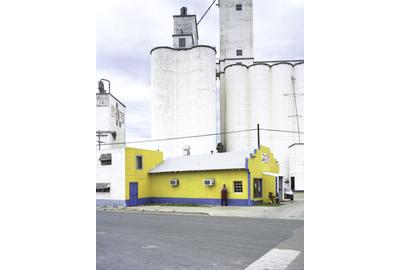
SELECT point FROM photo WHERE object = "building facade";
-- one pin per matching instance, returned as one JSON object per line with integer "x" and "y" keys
{"x": 145, "y": 178}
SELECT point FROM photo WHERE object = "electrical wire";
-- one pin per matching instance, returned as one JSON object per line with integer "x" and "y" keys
{"x": 206, "y": 12}
{"x": 202, "y": 135}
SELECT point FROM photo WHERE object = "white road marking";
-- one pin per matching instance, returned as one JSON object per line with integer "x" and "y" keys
{"x": 275, "y": 259}
{"x": 150, "y": 246}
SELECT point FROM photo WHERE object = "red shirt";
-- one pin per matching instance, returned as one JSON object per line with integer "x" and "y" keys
{"x": 224, "y": 193}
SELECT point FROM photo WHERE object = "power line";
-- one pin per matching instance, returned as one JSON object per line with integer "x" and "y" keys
{"x": 183, "y": 137}
{"x": 202, "y": 135}
{"x": 206, "y": 12}
{"x": 281, "y": 130}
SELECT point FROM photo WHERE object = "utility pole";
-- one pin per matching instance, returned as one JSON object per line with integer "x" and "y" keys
{"x": 258, "y": 135}
{"x": 295, "y": 106}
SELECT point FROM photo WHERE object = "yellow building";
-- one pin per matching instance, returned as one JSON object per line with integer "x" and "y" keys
{"x": 249, "y": 178}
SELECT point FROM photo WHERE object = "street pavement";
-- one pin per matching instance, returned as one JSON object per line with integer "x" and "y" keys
{"x": 133, "y": 240}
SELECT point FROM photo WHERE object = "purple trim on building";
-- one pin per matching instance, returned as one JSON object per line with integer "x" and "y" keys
{"x": 248, "y": 181}
{"x": 199, "y": 201}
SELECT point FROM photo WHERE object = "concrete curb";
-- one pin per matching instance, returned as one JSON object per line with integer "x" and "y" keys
{"x": 153, "y": 211}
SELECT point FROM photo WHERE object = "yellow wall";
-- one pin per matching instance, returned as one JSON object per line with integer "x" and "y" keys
{"x": 257, "y": 166}
{"x": 191, "y": 184}
{"x": 150, "y": 160}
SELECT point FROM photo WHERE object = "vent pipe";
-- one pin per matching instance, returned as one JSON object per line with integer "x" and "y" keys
{"x": 183, "y": 11}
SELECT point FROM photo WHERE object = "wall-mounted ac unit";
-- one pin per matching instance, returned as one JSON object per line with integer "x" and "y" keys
{"x": 208, "y": 182}
{"x": 174, "y": 182}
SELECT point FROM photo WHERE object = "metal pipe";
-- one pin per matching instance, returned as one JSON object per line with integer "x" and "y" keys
{"x": 295, "y": 105}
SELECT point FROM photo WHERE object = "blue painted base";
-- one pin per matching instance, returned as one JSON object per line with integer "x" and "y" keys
{"x": 161, "y": 200}
{"x": 110, "y": 203}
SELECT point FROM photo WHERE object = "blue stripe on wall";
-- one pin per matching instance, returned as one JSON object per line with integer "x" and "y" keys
{"x": 198, "y": 201}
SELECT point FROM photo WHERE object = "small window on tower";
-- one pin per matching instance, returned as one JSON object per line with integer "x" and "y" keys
{"x": 239, "y": 52}
{"x": 238, "y": 6}
{"x": 182, "y": 43}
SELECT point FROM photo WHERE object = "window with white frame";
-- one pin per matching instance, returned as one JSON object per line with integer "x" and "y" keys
{"x": 238, "y": 186}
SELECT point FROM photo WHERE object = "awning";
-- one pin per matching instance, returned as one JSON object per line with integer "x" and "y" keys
{"x": 102, "y": 185}
{"x": 271, "y": 174}
{"x": 104, "y": 157}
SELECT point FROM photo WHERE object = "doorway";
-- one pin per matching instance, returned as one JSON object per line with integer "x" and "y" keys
{"x": 279, "y": 187}
{"x": 257, "y": 192}
{"x": 292, "y": 185}
{"x": 133, "y": 194}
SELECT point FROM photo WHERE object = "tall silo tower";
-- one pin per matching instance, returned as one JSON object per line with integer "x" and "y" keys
{"x": 236, "y": 48}
{"x": 184, "y": 91}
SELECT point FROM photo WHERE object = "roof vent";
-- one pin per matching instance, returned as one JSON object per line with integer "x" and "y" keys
{"x": 183, "y": 11}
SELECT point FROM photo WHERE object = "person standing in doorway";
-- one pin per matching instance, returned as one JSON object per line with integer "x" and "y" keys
{"x": 224, "y": 196}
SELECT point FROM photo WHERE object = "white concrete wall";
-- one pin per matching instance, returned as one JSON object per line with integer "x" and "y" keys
{"x": 184, "y": 98}
{"x": 237, "y": 108}
{"x": 264, "y": 95}
{"x": 185, "y": 25}
{"x": 298, "y": 74}
{"x": 260, "y": 103}
{"x": 114, "y": 174}
{"x": 297, "y": 165}
{"x": 281, "y": 110}
{"x": 236, "y": 28}
{"x": 107, "y": 119}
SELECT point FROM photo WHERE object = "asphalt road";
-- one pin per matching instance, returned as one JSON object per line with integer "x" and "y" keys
{"x": 168, "y": 241}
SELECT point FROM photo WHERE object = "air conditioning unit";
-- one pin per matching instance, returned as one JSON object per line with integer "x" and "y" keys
{"x": 174, "y": 182}
{"x": 208, "y": 182}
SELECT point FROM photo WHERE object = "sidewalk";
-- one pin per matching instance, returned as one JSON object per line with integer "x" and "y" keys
{"x": 286, "y": 210}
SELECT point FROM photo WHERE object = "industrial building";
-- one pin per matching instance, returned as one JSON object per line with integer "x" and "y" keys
{"x": 129, "y": 176}
{"x": 270, "y": 94}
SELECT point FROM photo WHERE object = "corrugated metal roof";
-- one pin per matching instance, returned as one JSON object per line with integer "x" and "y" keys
{"x": 219, "y": 161}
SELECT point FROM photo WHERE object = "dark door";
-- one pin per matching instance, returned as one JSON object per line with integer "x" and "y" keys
{"x": 280, "y": 190}
{"x": 133, "y": 194}
{"x": 292, "y": 185}
{"x": 257, "y": 188}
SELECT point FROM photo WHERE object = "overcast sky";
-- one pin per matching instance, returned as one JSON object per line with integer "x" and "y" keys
{"x": 127, "y": 31}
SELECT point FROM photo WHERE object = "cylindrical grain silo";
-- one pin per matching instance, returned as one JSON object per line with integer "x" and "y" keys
{"x": 237, "y": 108}
{"x": 298, "y": 74}
{"x": 222, "y": 107}
{"x": 183, "y": 98}
{"x": 163, "y": 79}
{"x": 282, "y": 106}
{"x": 260, "y": 103}
{"x": 196, "y": 96}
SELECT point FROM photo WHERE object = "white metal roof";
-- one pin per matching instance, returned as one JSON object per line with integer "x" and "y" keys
{"x": 272, "y": 174}
{"x": 219, "y": 161}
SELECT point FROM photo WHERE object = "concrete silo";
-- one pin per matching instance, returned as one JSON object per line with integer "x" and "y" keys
{"x": 260, "y": 103}
{"x": 237, "y": 107}
{"x": 282, "y": 112}
{"x": 298, "y": 76}
{"x": 184, "y": 91}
